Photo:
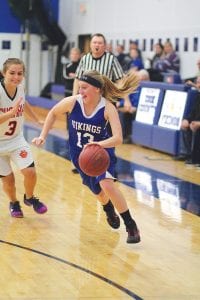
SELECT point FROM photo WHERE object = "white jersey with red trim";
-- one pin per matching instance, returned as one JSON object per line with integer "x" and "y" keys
{"x": 11, "y": 130}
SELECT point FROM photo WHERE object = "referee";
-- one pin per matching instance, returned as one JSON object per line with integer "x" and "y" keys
{"x": 100, "y": 60}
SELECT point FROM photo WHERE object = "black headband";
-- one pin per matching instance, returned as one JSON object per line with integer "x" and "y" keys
{"x": 91, "y": 81}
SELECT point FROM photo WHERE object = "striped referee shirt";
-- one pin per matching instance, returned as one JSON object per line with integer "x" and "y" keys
{"x": 107, "y": 65}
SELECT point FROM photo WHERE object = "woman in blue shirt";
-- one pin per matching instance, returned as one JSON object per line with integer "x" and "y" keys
{"x": 94, "y": 119}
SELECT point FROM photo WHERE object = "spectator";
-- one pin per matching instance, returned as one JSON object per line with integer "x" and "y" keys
{"x": 69, "y": 70}
{"x": 170, "y": 62}
{"x": 158, "y": 54}
{"x": 195, "y": 84}
{"x": 190, "y": 132}
{"x": 154, "y": 74}
{"x": 136, "y": 62}
{"x": 123, "y": 58}
{"x": 109, "y": 47}
{"x": 134, "y": 45}
{"x": 192, "y": 80}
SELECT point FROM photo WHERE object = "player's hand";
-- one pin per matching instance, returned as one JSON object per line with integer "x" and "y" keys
{"x": 39, "y": 141}
{"x": 41, "y": 122}
{"x": 88, "y": 144}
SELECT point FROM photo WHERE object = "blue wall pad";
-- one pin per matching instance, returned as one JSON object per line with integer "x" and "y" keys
{"x": 165, "y": 140}
{"x": 142, "y": 134}
{"x": 41, "y": 102}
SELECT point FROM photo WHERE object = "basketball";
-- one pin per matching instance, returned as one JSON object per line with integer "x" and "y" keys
{"x": 94, "y": 160}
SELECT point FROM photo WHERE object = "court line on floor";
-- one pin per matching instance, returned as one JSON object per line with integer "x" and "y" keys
{"x": 107, "y": 280}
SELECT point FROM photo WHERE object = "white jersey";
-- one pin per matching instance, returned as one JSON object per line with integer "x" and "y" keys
{"x": 11, "y": 131}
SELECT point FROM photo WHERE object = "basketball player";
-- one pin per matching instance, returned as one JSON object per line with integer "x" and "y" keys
{"x": 13, "y": 146}
{"x": 93, "y": 118}
{"x": 101, "y": 60}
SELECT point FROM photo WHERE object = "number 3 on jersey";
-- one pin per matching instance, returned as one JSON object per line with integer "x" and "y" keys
{"x": 12, "y": 126}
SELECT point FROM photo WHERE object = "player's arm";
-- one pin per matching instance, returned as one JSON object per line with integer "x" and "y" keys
{"x": 64, "y": 106}
{"x": 11, "y": 113}
{"x": 111, "y": 114}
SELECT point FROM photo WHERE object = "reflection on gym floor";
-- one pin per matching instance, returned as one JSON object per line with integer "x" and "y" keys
{"x": 174, "y": 193}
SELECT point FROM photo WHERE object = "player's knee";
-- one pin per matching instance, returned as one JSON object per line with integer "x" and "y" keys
{"x": 8, "y": 181}
{"x": 29, "y": 172}
{"x": 8, "y": 178}
{"x": 106, "y": 185}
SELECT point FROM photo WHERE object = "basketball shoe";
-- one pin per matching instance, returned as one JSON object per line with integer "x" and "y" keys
{"x": 15, "y": 210}
{"x": 133, "y": 233}
{"x": 38, "y": 206}
{"x": 112, "y": 218}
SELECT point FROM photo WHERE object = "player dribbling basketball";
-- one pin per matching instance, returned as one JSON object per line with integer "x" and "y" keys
{"x": 92, "y": 118}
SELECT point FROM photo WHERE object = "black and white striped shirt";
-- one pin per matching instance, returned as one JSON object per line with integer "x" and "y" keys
{"x": 107, "y": 65}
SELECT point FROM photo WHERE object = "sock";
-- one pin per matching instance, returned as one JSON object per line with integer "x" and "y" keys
{"x": 128, "y": 220}
{"x": 108, "y": 207}
{"x": 29, "y": 199}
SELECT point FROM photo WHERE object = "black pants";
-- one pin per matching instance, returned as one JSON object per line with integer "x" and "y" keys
{"x": 127, "y": 122}
{"x": 196, "y": 147}
{"x": 190, "y": 144}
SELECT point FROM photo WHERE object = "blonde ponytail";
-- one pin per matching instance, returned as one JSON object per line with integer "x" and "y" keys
{"x": 111, "y": 91}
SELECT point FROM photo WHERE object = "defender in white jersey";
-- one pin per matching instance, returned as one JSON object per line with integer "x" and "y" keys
{"x": 94, "y": 119}
{"x": 13, "y": 146}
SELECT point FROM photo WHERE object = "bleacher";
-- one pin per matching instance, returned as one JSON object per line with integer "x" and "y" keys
{"x": 160, "y": 111}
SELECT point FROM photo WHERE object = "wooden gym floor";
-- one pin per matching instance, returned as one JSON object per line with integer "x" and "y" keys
{"x": 71, "y": 253}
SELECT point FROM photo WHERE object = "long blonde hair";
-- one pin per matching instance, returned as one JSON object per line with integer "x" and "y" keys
{"x": 112, "y": 91}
